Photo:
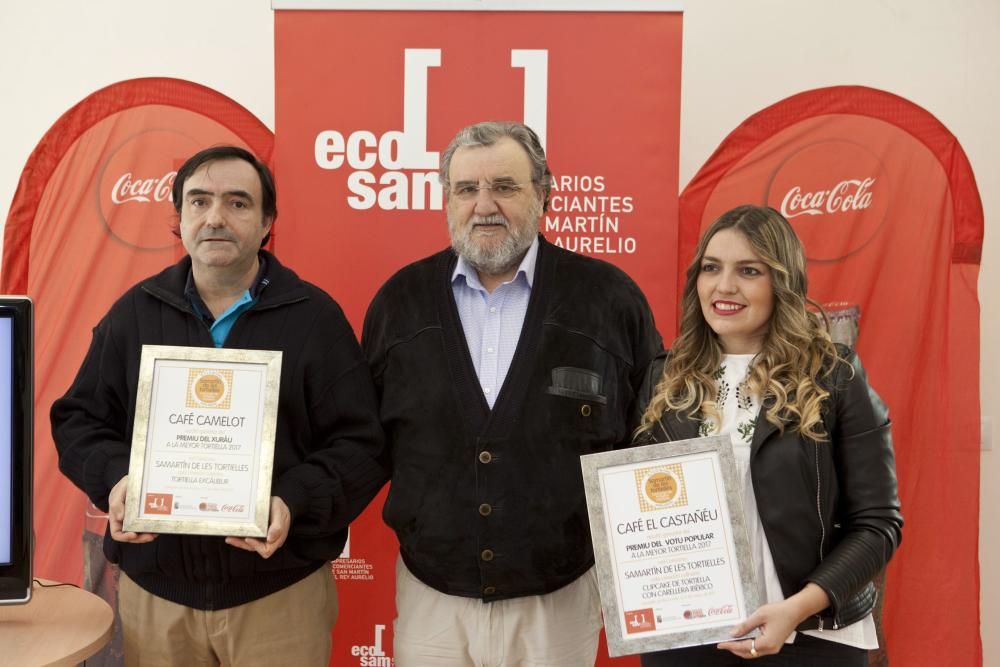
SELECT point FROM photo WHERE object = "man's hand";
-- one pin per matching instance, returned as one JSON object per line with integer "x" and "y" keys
{"x": 277, "y": 531}
{"x": 116, "y": 515}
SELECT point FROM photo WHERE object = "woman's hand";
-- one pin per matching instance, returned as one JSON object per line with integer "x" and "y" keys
{"x": 776, "y": 622}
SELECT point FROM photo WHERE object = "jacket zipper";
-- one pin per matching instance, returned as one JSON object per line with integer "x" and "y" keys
{"x": 819, "y": 509}
{"x": 819, "y": 515}
{"x": 822, "y": 530}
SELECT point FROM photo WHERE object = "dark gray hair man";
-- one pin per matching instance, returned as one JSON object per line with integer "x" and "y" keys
{"x": 498, "y": 362}
{"x": 490, "y": 132}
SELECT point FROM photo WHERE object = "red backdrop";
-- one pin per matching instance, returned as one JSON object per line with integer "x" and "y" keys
{"x": 886, "y": 204}
{"x": 91, "y": 216}
{"x": 364, "y": 103}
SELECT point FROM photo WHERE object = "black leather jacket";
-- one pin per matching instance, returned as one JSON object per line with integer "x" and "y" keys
{"x": 830, "y": 510}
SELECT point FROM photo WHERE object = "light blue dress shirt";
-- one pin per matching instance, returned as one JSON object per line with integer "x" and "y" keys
{"x": 493, "y": 322}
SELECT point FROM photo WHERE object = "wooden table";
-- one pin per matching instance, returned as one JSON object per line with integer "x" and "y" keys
{"x": 61, "y": 626}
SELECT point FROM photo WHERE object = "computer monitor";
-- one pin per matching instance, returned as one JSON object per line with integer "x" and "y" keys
{"x": 16, "y": 446}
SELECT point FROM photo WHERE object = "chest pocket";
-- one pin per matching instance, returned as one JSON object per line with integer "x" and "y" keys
{"x": 579, "y": 401}
{"x": 577, "y": 383}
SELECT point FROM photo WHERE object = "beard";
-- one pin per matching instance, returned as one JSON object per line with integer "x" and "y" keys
{"x": 494, "y": 257}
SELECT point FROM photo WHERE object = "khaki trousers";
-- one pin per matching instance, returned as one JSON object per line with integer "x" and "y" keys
{"x": 560, "y": 629}
{"x": 290, "y": 627}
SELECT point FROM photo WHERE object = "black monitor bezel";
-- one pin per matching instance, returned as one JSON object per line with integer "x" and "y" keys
{"x": 16, "y": 578}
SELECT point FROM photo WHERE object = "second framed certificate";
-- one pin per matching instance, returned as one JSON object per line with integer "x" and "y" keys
{"x": 203, "y": 441}
{"x": 673, "y": 559}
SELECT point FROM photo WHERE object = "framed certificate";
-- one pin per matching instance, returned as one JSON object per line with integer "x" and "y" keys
{"x": 203, "y": 441}
{"x": 673, "y": 560}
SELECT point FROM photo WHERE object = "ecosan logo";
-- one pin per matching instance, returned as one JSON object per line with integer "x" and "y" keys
{"x": 372, "y": 656}
{"x": 410, "y": 180}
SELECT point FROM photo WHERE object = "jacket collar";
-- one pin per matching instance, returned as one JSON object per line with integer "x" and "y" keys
{"x": 764, "y": 428}
{"x": 284, "y": 286}
{"x": 677, "y": 426}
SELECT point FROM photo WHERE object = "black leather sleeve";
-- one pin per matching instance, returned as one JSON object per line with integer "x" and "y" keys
{"x": 869, "y": 511}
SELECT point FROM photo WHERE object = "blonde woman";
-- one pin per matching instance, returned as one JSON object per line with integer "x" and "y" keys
{"x": 812, "y": 444}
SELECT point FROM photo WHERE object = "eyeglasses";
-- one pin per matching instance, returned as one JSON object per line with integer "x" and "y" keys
{"x": 503, "y": 190}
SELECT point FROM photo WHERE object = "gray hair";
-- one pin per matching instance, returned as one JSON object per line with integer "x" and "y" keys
{"x": 488, "y": 133}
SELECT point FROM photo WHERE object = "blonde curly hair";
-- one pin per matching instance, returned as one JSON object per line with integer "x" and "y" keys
{"x": 797, "y": 353}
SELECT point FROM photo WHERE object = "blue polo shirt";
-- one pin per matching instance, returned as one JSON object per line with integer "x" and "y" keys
{"x": 221, "y": 326}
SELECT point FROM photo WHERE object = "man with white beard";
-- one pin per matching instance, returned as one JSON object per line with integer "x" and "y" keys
{"x": 498, "y": 362}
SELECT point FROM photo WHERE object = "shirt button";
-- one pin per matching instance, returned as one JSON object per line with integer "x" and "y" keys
{"x": 486, "y": 390}
{"x": 485, "y": 509}
{"x": 485, "y": 457}
{"x": 487, "y": 555}
{"x": 493, "y": 309}
{"x": 489, "y": 590}
{"x": 585, "y": 410}
{"x": 490, "y": 350}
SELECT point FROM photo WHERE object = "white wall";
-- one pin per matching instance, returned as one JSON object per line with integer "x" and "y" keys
{"x": 739, "y": 56}
{"x": 53, "y": 53}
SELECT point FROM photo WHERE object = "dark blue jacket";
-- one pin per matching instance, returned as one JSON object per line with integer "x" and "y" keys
{"x": 490, "y": 503}
{"x": 326, "y": 445}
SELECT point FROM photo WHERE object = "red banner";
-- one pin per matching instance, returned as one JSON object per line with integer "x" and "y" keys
{"x": 365, "y": 103}
{"x": 886, "y": 204}
{"x": 91, "y": 217}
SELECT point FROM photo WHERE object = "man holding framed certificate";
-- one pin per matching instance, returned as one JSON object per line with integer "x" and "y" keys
{"x": 498, "y": 362}
{"x": 256, "y": 416}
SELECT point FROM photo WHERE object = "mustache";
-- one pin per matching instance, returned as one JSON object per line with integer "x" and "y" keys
{"x": 218, "y": 234}
{"x": 495, "y": 219}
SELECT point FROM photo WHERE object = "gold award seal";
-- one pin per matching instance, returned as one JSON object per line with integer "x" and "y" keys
{"x": 660, "y": 487}
{"x": 209, "y": 388}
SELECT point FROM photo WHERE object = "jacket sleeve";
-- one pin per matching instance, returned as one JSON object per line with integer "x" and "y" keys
{"x": 375, "y": 346}
{"x": 90, "y": 422}
{"x": 868, "y": 506}
{"x": 340, "y": 474}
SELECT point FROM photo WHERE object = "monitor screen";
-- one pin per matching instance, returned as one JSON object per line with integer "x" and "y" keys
{"x": 6, "y": 448}
{"x": 16, "y": 443}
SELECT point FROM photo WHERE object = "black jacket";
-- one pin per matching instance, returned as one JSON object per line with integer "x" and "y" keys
{"x": 830, "y": 510}
{"x": 490, "y": 503}
{"x": 327, "y": 441}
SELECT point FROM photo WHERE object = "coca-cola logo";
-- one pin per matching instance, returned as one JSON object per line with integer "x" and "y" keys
{"x": 236, "y": 508}
{"x": 852, "y": 194}
{"x": 134, "y": 188}
{"x": 129, "y": 188}
{"x": 724, "y": 610}
{"x": 835, "y": 193}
